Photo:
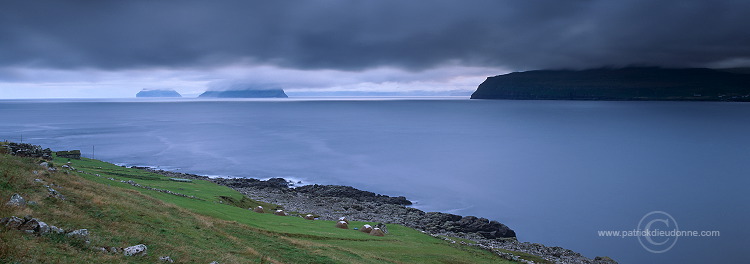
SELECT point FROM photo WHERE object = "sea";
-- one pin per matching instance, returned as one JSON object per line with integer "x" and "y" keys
{"x": 560, "y": 173}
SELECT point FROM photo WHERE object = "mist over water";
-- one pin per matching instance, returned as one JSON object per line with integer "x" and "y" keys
{"x": 554, "y": 171}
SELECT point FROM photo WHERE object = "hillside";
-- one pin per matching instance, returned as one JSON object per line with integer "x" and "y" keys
{"x": 191, "y": 222}
{"x": 637, "y": 83}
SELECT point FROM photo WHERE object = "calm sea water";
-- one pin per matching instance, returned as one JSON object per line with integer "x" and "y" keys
{"x": 555, "y": 171}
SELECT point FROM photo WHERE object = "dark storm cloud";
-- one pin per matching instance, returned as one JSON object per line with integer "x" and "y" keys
{"x": 356, "y": 35}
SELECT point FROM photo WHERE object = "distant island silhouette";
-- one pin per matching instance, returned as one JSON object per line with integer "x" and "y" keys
{"x": 253, "y": 93}
{"x": 632, "y": 83}
{"x": 158, "y": 93}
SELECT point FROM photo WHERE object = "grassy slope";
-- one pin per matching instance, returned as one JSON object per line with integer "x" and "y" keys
{"x": 189, "y": 230}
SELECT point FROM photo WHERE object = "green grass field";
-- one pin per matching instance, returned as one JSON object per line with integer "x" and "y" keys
{"x": 209, "y": 228}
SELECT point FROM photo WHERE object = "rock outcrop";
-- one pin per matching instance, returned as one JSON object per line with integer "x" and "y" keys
{"x": 31, "y": 225}
{"x": 313, "y": 190}
{"x": 16, "y": 200}
{"x": 350, "y": 192}
{"x": 137, "y": 250}
{"x": 82, "y": 234}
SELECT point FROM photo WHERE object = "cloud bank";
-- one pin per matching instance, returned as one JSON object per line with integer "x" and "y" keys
{"x": 116, "y": 48}
{"x": 357, "y": 35}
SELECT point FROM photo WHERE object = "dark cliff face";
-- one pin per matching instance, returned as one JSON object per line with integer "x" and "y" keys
{"x": 618, "y": 84}
{"x": 158, "y": 93}
{"x": 270, "y": 93}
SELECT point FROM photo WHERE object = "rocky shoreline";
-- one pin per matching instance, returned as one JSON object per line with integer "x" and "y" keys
{"x": 330, "y": 202}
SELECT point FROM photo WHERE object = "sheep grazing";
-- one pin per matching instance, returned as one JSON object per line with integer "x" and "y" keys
{"x": 342, "y": 225}
{"x": 343, "y": 218}
{"x": 366, "y": 228}
{"x": 259, "y": 209}
{"x": 377, "y": 232}
{"x": 309, "y": 217}
{"x": 280, "y": 212}
{"x": 382, "y": 227}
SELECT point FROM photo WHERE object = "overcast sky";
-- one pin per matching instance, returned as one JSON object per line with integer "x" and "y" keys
{"x": 117, "y": 48}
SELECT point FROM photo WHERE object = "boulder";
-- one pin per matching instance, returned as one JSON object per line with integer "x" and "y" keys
{"x": 82, "y": 234}
{"x": 259, "y": 209}
{"x": 366, "y": 228}
{"x": 16, "y": 200}
{"x": 12, "y": 222}
{"x": 30, "y": 226}
{"x": 43, "y": 228}
{"x": 280, "y": 213}
{"x": 377, "y": 232}
{"x": 342, "y": 225}
{"x": 166, "y": 259}
{"x": 309, "y": 217}
{"x": 56, "y": 230}
{"x": 103, "y": 250}
{"x": 343, "y": 218}
{"x": 137, "y": 250}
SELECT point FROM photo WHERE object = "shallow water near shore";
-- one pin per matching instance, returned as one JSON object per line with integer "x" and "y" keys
{"x": 554, "y": 171}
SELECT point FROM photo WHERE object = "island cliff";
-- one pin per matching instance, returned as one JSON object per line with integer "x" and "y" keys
{"x": 635, "y": 83}
{"x": 253, "y": 93}
{"x": 158, "y": 93}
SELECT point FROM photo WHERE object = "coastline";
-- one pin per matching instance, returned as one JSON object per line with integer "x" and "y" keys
{"x": 330, "y": 202}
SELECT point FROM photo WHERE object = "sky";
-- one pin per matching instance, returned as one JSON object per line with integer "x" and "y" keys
{"x": 113, "y": 49}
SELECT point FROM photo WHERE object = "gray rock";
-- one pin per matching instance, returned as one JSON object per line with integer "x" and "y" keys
{"x": 16, "y": 200}
{"x": 14, "y": 222}
{"x": 30, "y": 226}
{"x": 82, "y": 234}
{"x": 214, "y": 262}
{"x": 604, "y": 260}
{"x": 43, "y": 228}
{"x": 115, "y": 250}
{"x": 56, "y": 230}
{"x": 166, "y": 259}
{"x": 11, "y": 222}
{"x": 100, "y": 249}
{"x": 137, "y": 250}
{"x": 44, "y": 164}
